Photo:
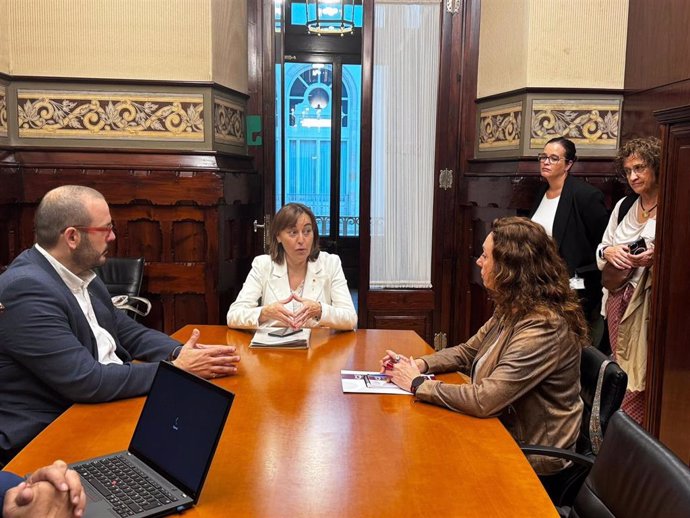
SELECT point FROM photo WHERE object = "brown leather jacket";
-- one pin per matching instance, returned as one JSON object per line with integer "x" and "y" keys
{"x": 530, "y": 380}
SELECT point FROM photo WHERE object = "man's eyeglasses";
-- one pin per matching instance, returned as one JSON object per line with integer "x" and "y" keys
{"x": 106, "y": 229}
{"x": 638, "y": 169}
{"x": 549, "y": 159}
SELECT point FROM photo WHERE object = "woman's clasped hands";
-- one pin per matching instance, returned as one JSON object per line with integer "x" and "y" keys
{"x": 401, "y": 369}
{"x": 644, "y": 259}
{"x": 620, "y": 257}
{"x": 308, "y": 309}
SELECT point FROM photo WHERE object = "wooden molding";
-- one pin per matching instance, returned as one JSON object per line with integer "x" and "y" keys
{"x": 680, "y": 114}
{"x": 118, "y": 160}
{"x": 544, "y": 90}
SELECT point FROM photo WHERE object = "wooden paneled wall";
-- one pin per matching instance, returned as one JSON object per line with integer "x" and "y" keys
{"x": 669, "y": 365}
{"x": 401, "y": 309}
{"x": 166, "y": 208}
{"x": 657, "y": 71}
{"x": 657, "y": 80}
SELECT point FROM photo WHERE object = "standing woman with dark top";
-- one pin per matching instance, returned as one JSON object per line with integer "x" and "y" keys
{"x": 573, "y": 213}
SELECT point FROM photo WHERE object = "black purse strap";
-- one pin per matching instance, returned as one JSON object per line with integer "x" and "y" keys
{"x": 625, "y": 206}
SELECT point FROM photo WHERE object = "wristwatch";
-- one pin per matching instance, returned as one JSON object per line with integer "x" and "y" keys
{"x": 416, "y": 383}
{"x": 601, "y": 252}
{"x": 175, "y": 353}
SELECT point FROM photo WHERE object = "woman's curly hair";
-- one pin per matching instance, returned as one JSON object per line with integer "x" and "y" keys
{"x": 647, "y": 149}
{"x": 529, "y": 276}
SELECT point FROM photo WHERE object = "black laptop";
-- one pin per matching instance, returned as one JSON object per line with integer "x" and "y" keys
{"x": 168, "y": 458}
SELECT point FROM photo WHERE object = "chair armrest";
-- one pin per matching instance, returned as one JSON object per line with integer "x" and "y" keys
{"x": 559, "y": 453}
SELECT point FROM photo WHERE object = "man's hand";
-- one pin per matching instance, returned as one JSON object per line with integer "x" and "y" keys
{"x": 207, "y": 361}
{"x": 51, "y": 491}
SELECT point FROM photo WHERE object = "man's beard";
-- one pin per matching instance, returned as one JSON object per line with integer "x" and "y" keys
{"x": 86, "y": 257}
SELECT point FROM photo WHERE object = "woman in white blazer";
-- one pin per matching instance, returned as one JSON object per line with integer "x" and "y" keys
{"x": 296, "y": 285}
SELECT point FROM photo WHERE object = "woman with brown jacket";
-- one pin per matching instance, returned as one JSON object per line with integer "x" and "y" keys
{"x": 524, "y": 363}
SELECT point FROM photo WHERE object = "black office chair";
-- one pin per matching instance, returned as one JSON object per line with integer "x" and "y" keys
{"x": 602, "y": 387}
{"x": 123, "y": 276}
{"x": 614, "y": 381}
{"x": 633, "y": 476}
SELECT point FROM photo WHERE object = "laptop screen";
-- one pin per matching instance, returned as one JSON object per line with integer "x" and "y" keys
{"x": 180, "y": 425}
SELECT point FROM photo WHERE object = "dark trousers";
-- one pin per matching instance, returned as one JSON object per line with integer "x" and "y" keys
{"x": 564, "y": 485}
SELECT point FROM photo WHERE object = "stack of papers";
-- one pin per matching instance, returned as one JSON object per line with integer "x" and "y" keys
{"x": 299, "y": 340}
{"x": 369, "y": 382}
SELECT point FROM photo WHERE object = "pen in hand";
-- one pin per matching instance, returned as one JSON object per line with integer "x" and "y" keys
{"x": 390, "y": 362}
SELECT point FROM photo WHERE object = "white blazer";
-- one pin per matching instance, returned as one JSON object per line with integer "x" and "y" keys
{"x": 268, "y": 282}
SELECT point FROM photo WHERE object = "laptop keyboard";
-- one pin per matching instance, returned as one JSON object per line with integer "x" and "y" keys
{"x": 125, "y": 486}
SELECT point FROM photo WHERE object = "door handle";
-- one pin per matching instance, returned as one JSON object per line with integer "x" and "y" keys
{"x": 265, "y": 227}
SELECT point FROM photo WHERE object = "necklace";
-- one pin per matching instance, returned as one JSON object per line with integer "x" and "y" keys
{"x": 647, "y": 212}
{"x": 292, "y": 278}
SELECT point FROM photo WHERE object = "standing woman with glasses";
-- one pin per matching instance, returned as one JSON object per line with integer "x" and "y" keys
{"x": 573, "y": 213}
{"x": 627, "y": 249}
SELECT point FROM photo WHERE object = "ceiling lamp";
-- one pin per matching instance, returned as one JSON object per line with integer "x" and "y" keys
{"x": 336, "y": 17}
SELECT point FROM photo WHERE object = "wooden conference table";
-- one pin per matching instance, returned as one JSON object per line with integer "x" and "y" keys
{"x": 295, "y": 445}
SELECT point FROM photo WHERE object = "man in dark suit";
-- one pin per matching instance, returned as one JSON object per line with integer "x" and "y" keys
{"x": 61, "y": 339}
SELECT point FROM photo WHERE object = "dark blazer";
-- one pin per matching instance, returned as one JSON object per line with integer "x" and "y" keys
{"x": 48, "y": 353}
{"x": 581, "y": 218}
{"x": 7, "y": 482}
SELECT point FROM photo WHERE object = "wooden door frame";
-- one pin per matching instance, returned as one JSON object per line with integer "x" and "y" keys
{"x": 664, "y": 347}
{"x": 452, "y": 230}
{"x": 454, "y": 146}
{"x": 365, "y": 160}
{"x": 261, "y": 38}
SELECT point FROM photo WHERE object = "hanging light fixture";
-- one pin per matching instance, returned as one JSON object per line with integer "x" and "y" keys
{"x": 336, "y": 17}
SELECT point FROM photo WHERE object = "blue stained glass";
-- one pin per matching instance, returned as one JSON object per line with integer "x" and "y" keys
{"x": 299, "y": 13}
{"x": 307, "y": 112}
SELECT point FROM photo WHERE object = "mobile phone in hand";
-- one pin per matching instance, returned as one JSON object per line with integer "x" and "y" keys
{"x": 637, "y": 247}
{"x": 284, "y": 331}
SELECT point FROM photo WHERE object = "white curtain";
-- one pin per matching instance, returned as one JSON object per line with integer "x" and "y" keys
{"x": 406, "y": 68}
